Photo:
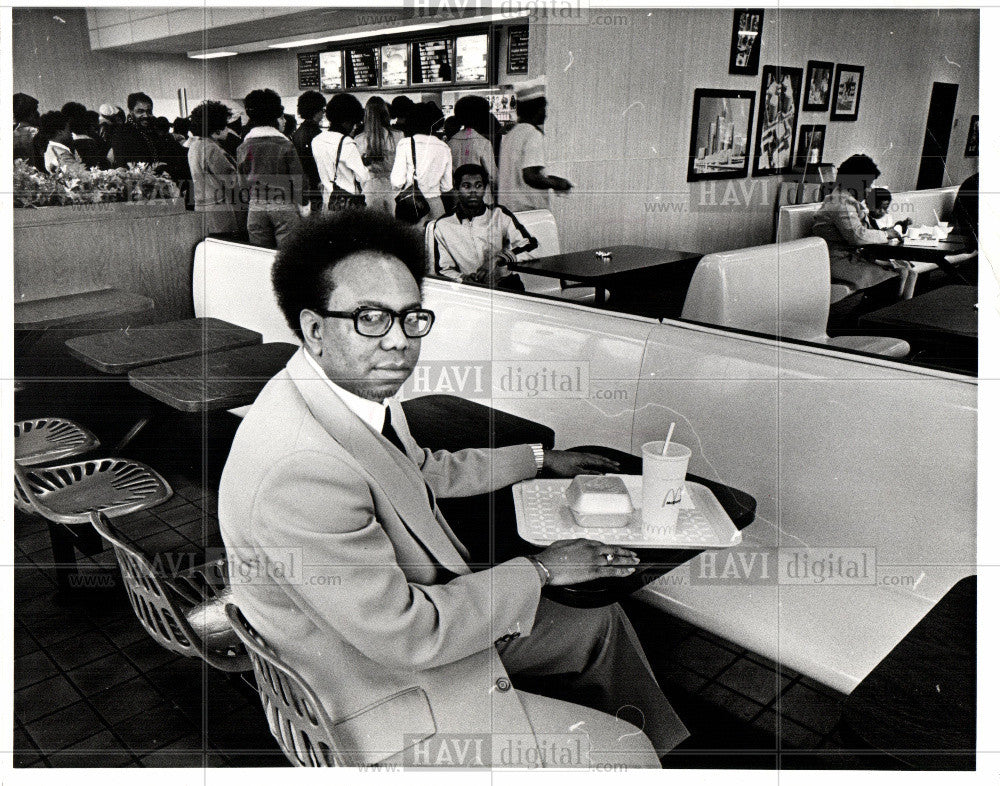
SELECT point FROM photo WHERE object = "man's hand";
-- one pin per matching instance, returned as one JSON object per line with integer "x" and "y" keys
{"x": 570, "y": 463}
{"x": 576, "y": 561}
{"x": 893, "y": 234}
{"x": 559, "y": 183}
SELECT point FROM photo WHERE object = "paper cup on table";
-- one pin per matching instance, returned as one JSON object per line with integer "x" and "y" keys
{"x": 662, "y": 484}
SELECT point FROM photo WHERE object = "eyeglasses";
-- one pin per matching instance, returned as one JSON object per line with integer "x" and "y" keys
{"x": 376, "y": 322}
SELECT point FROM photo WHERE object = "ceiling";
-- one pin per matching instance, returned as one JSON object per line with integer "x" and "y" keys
{"x": 184, "y": 30}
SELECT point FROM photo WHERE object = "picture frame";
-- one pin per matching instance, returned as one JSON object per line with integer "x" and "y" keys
{"x": 811, "y": 137}
{"x": 819, "y": 79}
{"x": 777, "y": 120}
{"x": 744, "y": 50}
{"x": 721, "y": 125}
{"x": 845, "y": 98}
{"x": 972, "y": 140}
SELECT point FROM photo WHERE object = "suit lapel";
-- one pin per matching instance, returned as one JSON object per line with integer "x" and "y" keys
{"x": 397, "y": 477}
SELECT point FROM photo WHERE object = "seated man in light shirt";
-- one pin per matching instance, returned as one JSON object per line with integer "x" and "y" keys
{"x": 476, "y": 243}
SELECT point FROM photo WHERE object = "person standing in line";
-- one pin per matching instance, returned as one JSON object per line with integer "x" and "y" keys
{"x": 310, "y": 107}
{"x": 524, "y": 184}
{"x": 88, "y": 150}
{"x": 213, "y": 171}
{"x": 433, "y": 170}
{"x": 377, "y": 145}
{"x": 53, "y": 129}
{"x": 337, "y": 158}
{"x": 25, "y": 128}
{"x": 271, "y": 173}
{"x": 472, "y": 145}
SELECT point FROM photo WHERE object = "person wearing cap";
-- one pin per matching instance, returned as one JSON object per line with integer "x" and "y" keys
{"x": 110, "y": 119}
{"x": 25, "y": 129}
{"x": 523, "y": 182}
{"x": 475, "y": 243}
{"x": 272, "y": 180}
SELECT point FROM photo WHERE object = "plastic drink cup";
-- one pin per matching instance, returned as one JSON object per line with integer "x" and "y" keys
{"x": 662, "y": 485}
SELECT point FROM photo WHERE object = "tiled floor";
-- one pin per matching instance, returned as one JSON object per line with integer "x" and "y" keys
{"x": 93, "y": 689}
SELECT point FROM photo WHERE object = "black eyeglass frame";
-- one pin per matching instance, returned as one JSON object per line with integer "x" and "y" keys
{"x": 396, "y": 315}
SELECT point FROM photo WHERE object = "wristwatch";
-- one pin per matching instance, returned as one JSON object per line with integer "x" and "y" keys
{"x": 539, "y": 453}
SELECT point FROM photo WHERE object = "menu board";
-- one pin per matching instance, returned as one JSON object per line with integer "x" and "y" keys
{"x": 308, "y": 70}
{"x": 331, "y": 71}
{"x": 361, "y": 66}
{"x": 471, "y": 53}
{"x": 517, "y": 50}
{"x": 395, "y": 64}
{"x": 432, "y": 62}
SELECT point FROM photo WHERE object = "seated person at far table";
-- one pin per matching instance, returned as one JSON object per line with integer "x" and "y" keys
{"x": 843, "y": 222}
{"x": 475, "y": 243}
{"x": 878, "y": 201}
{"x": 409, "y": 647}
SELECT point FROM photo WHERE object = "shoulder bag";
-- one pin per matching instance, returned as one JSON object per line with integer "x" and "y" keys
{"x": 340, "y": 198}
{"x": 411, "y": 205}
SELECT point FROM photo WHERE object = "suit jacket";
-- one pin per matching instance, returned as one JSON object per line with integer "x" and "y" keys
{"x": 336, "y": 553}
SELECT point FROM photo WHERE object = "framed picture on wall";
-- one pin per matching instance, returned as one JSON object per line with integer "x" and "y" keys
{"x": 721, "y": 124}
{"x": 777, "y": 118}
{"x": 819, "y": 77}
{"x": 809, "y": 150}
{"x": 972, "y": 140}
{"x": 847, "y": 92}
{"x": 744, "y": 51}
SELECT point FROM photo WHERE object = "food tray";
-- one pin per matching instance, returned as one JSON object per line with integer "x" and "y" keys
{"x": 544, "y": 517}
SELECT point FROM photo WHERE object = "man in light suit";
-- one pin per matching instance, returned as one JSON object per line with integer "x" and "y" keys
{"x": 342, "y": 561}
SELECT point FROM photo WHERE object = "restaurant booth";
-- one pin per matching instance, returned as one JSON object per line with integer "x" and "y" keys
{"x": 846, "y": 597}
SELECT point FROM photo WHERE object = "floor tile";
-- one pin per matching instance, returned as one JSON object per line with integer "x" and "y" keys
{"x": 671, "y": 673}
{"x": 126, "y": 700}
{"x": 63, "y": 623}
{"x": 43, "y": 698}
{"x": 30, "y": 544}
{"x": 33, "y": 667}
{"x": 703, "y": 656}
{"x": 189, "y": 751}
{"x": 100, "y": 750}
{"x": 98, "y": 675}
{"x": 80, "y": 649}
{"x": 816, "y": 711}
{"x": 25, "y": 752}
{"x": 66, "y": 727}
{"x": 152, "y": 729}
{"x": 753, "y": 680}
{"x": 147, "y": 653}
{"x": 122, "y": 627}
{"x": 731, "y": 702}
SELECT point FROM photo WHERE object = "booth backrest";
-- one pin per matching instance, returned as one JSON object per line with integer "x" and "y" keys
{"x": 795, "y": 221}
{"x": 542, "y": 225}
{"x": 232, "y": 281}
{"x": 780, "y": 289}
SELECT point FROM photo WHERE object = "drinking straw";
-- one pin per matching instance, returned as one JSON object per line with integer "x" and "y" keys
{"x": 666, "y": 442}
{"x": 936, "y": 216}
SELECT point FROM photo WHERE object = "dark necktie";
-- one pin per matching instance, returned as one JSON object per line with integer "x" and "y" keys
{"x": 390, "y": 433}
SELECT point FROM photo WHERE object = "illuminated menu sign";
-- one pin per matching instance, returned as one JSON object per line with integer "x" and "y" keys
{"x": 471, "y": 53}
{"x": 432, "y": 62}
{"x": 331, "y": 71}
{"x": 308, "y": 70}
{"x": 395, "y": 64}
{"x": 361, "y": 64}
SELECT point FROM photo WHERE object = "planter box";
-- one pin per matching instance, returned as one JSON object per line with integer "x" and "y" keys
{"x": 103, "y": 211}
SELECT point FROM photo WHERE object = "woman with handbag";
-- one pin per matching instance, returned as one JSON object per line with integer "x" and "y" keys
{"x": 377, "y": 145}
{"x": 420, "y": 184}
{"x": 342, "y": 173}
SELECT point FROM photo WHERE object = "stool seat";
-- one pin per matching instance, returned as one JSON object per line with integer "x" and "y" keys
{"x": 50, "y": 439}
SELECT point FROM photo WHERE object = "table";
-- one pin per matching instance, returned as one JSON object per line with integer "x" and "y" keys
{"x": 922, "y": 251}
{"x": 486, "y": 524}
{"x": 120, "y": 351}
{"x": 68, "y": 309}
{"x": 919, "y": 704}
{"x": 626, "y": 262}
{"x": 219, "y": 380}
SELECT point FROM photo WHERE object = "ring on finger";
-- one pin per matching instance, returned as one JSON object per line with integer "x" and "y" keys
{"x": 610, "y": 558}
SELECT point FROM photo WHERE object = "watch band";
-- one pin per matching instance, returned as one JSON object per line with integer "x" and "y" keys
{"x": 543, "y": 573}
{"x": 539, "y": 453}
